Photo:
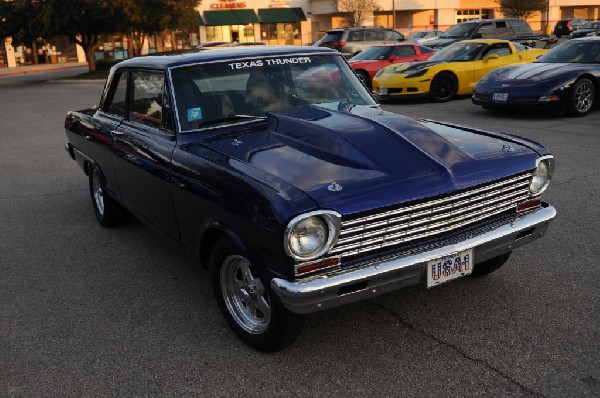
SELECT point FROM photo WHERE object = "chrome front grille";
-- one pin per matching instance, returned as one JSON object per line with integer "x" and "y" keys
{"x": 427, "y": 219}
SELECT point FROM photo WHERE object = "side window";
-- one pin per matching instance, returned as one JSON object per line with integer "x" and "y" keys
{"x": 502, "y": 30}
{"x": 404, "y": 51}
{"x": 520, "y": 27}
{"x": 500, "y": 49}
{"x": 486, "y": 30}
{"x": 146, "y": 102}
{"x": 372, "y": 35}
{"x": 117, "y": 99}
{"x": 426, "y": 50}
{"x": 356, "y": 35}
{"x": 393, "y": 35}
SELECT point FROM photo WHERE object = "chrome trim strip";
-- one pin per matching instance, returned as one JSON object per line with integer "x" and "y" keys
{"x": 319, "y": 293}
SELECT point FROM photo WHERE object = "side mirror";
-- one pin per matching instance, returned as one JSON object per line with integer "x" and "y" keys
{"x": 491, "y": 56}
{"x": 478, "y": 35}
{"x": 393, "y": 58}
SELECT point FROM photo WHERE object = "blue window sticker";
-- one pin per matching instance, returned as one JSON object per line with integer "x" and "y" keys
{"x": 194, "y": 114}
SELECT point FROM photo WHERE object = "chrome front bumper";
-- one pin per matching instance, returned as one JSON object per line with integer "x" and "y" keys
{"x": 306, "y": 296}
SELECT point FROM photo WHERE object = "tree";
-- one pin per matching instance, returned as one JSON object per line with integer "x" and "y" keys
{"x": 19, "y": 19}
{"x": 522, "y": 8}
{"x": 146, "y": 17}
{"x": 82, "y": 21}
{"x": 356, "y": 11}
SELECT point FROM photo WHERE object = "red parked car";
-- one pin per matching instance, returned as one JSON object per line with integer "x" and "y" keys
{"x": 375, "y": 58}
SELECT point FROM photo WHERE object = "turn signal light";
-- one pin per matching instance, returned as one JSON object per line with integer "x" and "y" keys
{"x": 530, "y": 204}
{"x": 303, "y": 269}
{"x": 338, "y": 44}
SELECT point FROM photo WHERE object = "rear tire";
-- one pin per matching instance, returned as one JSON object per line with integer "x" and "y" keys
{"x": 443, "y": 87}
{"x": 251, "y": 311}
{"x": 365, "y": 78}
{"x": 491, "y": 265}
{"x": 583, "y": 95}
{"x": 108, "y": 212}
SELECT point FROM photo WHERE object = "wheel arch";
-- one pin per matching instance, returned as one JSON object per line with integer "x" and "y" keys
{"x": 215, "y": 232}
{"x": 595, "y": 81}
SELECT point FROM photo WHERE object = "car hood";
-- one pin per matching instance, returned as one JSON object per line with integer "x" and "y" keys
{"x": 359, "y": 158}
{"x": 533, "y": 73}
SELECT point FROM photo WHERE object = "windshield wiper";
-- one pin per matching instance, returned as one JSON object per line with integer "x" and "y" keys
{"x": 230, "y": 118}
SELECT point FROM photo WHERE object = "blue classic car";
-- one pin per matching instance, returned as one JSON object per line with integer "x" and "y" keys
{"x": 276, "y": 169}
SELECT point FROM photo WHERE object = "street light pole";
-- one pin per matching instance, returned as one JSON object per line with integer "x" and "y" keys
{"x": 394, "y": 14}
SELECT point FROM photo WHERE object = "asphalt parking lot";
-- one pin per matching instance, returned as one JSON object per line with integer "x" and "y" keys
{"x": 89, "y": 311}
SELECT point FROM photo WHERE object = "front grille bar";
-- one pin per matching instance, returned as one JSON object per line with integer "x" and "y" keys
{"x": 430, "y": 218}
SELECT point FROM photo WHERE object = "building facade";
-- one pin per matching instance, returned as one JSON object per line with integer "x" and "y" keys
{"x": 409, "y": 15}
{"x": 292, "y": 22}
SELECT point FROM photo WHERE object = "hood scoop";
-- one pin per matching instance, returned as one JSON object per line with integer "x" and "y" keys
{"x": 300, "y": 128}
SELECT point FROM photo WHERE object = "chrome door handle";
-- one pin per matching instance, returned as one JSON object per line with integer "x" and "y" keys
{"x": 117, "y": 132}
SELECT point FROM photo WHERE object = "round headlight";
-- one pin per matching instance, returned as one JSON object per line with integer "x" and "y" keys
{"x": 311, "y": 235}
{"x": 541, "y": 176}
{"x": 307, "y": 237}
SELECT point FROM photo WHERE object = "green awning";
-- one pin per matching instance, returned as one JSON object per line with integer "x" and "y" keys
{"x": 199, "y": 19}
{"x": 230, "y": 17}
{"x": 274, "y": 15}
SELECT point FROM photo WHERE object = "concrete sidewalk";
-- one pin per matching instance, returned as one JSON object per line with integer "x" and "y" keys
{"x": 20, "y": 70}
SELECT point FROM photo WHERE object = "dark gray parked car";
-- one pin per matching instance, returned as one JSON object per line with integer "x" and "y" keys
{"x": 589, "y": 29}
{"x": 351, "y": 41}
{"x": 505, "y": 28}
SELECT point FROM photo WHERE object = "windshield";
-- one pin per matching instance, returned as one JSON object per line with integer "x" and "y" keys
{"x": 458, "y": 31}
{"x": 591, "y": 25}
{"x": 374, "y": 53}
{"x": 573, "y": 52}
{"x": 331, "y": 37}
{"x": 459, "y": 52}
{"x": 419, "y": 35}
{"x": 218, "y": 93}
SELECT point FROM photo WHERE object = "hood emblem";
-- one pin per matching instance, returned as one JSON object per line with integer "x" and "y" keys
{"x": 334, "y": 187}
{"x": 505, "y": 85}
{"x": 236, "y": 142}
{"x": 507, "y": 148}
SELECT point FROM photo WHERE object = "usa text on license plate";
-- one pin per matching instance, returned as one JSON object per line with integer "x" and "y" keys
{"x": 500, "y": 97}
{"x": 449, "y": 267}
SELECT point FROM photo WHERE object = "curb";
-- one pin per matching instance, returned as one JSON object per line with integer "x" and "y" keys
{"x": 74, "y": 81}
{"x": 29, "y": 71}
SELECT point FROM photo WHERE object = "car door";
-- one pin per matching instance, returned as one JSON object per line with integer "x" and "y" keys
{"x": 143, "y": 148}
{"x": 98, "y": 135}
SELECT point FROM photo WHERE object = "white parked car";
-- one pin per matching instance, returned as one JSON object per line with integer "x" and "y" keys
{"x": 424, "y": 36}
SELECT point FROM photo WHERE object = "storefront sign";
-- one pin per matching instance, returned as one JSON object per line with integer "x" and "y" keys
{"x": 227, "y": 4}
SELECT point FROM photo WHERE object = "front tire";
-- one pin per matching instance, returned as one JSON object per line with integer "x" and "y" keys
{"x": 108, "y": 212}
{"x": 443, "y": 87}
{"x": 491, "y": 265}
{"x": 582, "y": 97}
{"x": 251, "y": 311}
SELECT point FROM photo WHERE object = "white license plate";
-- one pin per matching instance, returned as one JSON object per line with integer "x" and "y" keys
{"x": 383, "y": 91}
{"x": 500, "y": 97}
{"x": 449, "y": 267}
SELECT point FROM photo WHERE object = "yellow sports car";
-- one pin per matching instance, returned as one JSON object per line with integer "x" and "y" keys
{"x": 451, "y": 71}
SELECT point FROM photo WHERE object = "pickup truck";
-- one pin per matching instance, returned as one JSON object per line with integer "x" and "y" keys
{"x": 276, "y": 169}
{"x": 513, "y": 29}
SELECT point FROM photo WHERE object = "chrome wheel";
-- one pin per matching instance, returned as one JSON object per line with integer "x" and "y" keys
{"x": 244, "y": 295}
{"x": 97, "y": 192}
{"x": 583, "y": 97}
